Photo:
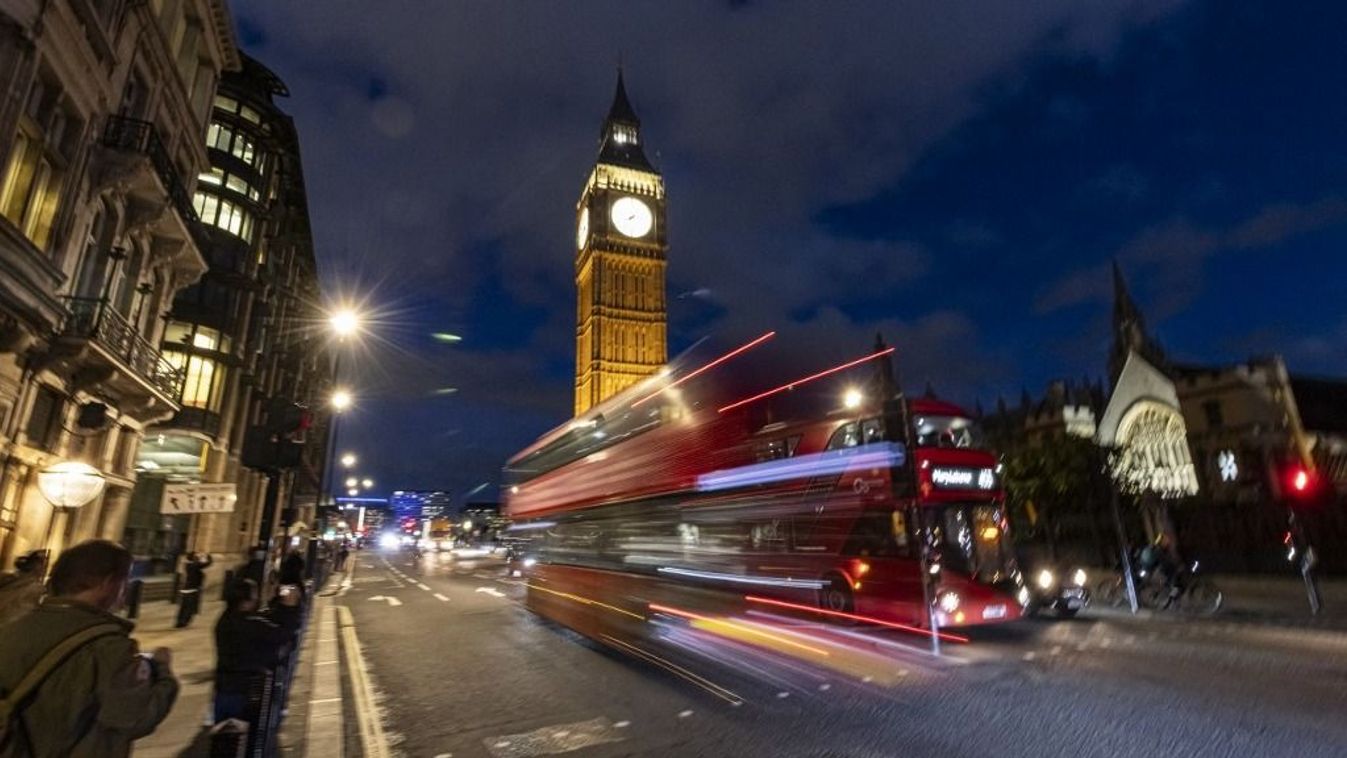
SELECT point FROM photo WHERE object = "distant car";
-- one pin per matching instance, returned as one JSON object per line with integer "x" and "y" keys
{"x": 1060, "y": 590}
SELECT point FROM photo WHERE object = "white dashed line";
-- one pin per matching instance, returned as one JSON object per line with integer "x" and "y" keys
{"x": 782, "y": 695}
{"x": 824, "y": 687}
{"x": 422, "y": 586}
{"x": 622, "y": 725}
{"x": 684, "y": 714}
{"x": 441, "y": 598}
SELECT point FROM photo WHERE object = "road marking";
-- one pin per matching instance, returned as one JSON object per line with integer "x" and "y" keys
{"x": 824, "y": 687}
{"x": 492, "y": 591}
{"x": 441, "y": 598}
{"x": 1029, "y": 656}
{"x": 392, "y": 601}
{"x": 372, "y": 737}
{"x": 422, "y": 586}
{"x": 549, "y": 740}
{"x": 782, "y": 695}
{"x": 684, "y": 714}
{"x": 704, "y": 683}
{"x": 622, "y": 725}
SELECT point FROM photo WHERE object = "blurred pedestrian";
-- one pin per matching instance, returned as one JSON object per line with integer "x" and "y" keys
{"x": 189, "y": 597}
{"x": 247, "y": 645}
{"x": 22, "y": 589}
{"x": 342, "y": 555}
{"x": 287, "y": 606}
{"x": 75, "y": 678}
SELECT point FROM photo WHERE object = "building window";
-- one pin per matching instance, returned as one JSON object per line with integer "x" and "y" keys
{"x": 224, "y": 214}
{"x": 227, "y": 104}
{"x": 225, "y": 139}
{"x": 1212, "y": 409}
{"x": 44, "y": 422}
{"x": 202, "y": 379}
{"x": 30, "y": 191}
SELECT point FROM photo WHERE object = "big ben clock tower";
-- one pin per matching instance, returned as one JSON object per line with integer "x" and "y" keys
{"x": 621, "y": 244}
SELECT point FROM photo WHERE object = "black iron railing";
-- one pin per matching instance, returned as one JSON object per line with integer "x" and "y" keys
{"x": 93, "y": 319}
{"x": 138, "y": 136}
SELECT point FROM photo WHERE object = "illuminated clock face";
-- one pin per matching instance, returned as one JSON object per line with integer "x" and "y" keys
{"x": 632, "y": 217}
{"x": 582, "y": 229}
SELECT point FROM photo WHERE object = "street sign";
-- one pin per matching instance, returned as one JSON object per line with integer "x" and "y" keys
{"x": 182, "y": 499}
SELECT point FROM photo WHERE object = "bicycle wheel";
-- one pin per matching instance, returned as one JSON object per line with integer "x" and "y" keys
{"x": 1201, "y": 597}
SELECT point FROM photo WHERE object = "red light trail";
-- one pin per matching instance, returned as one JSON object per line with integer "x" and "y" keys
{"x": 709, "y": 366}
{"x": 810, "y": 378}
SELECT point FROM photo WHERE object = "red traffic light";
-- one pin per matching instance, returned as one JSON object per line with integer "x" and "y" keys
{"x": 1300, "y": 481}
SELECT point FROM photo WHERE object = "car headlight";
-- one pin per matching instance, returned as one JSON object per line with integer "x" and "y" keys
{"x": 1079, "y": 577}
{"x": 530, "y": 561}
{"x": 1046, "y": 579}
{"x": 949, "y": 602}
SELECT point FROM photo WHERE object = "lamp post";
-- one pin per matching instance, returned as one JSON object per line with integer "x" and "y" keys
{"x": 344, "y": 323}
{"x": 68, "y": 485}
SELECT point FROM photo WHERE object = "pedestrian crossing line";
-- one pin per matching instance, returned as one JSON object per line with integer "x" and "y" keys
{"x": 441, "y": 598}
{"x": 422, "y": 586}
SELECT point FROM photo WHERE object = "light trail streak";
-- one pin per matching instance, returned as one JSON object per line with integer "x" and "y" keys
{"x": 762, "y": 581}
{"x": 875, "y": 455}
{"x": 810, "y": 378}
{"x": 709, "y": 366}
{"x": 586, "y": 601}
{"x": 706, "y": 684}
{"x": 736, "y": 630}
{"x": 853, "y": 617}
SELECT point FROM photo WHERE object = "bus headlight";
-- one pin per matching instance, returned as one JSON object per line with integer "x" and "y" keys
{"x": 1046, "y": 579}
{"x": 949, "y": 602}
{"x": 1079, "y": 577}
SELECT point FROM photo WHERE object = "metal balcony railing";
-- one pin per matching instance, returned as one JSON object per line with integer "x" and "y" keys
{"x": 94, "y": 319}
{"x": 138, "y": 136}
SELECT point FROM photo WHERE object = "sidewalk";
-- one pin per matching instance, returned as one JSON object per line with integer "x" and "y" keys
{"x": 193, "y": 663}
{"x": 1266, "y": 599}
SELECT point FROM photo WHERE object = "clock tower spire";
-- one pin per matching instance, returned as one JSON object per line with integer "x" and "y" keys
{"x": 621, "y": 245}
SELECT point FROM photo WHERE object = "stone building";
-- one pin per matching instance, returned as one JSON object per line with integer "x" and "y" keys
{"x": 249, "y": 332}
{"x": 101, "y": 123}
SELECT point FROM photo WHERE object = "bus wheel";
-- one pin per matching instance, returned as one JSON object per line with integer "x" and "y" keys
{"x": 836, "y": 596}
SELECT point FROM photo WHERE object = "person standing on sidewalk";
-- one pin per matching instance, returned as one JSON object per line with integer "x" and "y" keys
{"x": 194, "y": 578}
{"x": 247, "y": 645}
{"x": 23, "y": 589}
{"x": 79, "y": 684}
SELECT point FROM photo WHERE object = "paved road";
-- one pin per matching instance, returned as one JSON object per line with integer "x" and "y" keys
{"x": 464, "y": 669}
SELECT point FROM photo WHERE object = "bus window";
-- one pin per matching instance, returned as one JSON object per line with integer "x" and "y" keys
{"x": 773, "y": 450}
{"x": 846, "y": 436}
{"x": 899, "y": 522}
{"x": 872, "y": 535}
{"x": 872, "y": 430}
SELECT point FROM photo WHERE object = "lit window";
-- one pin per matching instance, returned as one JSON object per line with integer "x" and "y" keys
{"x": 215, "y": 176}
{"x": 202, "y": 378}
{"x": 226, "y": 103}
{"x": 30, "y": 190}
{"x": 250, "y": 115}
{"x": 237, "y": 184}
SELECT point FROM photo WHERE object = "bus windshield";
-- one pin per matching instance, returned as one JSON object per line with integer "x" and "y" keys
{"x": 947, "y": 431}
{"x": 973, "y": 539}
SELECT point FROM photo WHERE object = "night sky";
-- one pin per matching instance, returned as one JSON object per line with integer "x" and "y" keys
{"x": 957, "y": 175}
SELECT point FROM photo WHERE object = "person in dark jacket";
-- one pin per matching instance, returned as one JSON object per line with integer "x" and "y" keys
{"x": 21, "y": 591}
{"x": 194, "y": 578}
{"x": 247, "y": 645}
{"x": 288, "y": 606}
{"x": 105, "y": 694}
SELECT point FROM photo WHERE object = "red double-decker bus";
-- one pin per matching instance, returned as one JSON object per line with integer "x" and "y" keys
{"x": 808, "y": 494}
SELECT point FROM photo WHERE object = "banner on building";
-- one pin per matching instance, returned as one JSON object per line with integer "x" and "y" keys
{"x": 197, "y": 498}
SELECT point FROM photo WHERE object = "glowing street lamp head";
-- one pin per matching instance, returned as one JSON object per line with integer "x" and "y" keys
{"x": 366, "y": 483}
{"x": 351, "y": 481}
{"x": 341, "y": 400}
{"x": 353, "y": 492}
{"x": 348, "y": 460}
{"x": 344, "y": 322}
{"x": 852, "y": 399}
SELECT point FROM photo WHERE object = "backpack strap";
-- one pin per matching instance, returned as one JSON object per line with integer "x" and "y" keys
{"x": 49, "y": 662}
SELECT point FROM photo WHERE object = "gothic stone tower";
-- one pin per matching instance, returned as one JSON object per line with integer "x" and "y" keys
{"x": 621, "y": 245}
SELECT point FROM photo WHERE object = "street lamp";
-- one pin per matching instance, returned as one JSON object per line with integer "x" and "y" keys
{"x": 348, "y": 460}
{"x": 352, "y": 481}
{"x": 353, "y": 492}
{"x": 341, "y": 400}
{"x": 367, "y": 483}
{"x": 852, "y": 399}
{"x": 69, "y": 484}
{"x": 344, "y": 322}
